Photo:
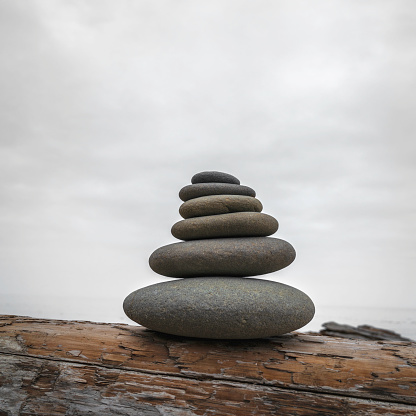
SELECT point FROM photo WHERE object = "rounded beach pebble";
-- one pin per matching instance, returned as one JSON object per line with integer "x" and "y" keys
{"x": 214, "y": 176}
{"x": 219, "y": 204}
{"x": 220, "y": 308}
{"x": 237, "y": 224}
{"x": 248, "y": 256}
{"x": 204, "y": 189}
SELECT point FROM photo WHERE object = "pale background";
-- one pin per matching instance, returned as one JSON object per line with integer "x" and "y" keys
{"x": 107, "y": 109}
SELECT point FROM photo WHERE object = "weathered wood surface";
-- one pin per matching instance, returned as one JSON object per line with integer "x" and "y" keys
{"x": 50, "y": 367}
{"x": 333, "y": 329}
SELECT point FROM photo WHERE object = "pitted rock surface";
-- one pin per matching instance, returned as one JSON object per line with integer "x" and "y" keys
{"x": 249, "y": 256}
{"x": 214, "y": 176}
{"x": 204, "y": 189}
{"x": 219, "y": 204}
{"x": 237, "y": 224}
{"x": 223, "y": 308}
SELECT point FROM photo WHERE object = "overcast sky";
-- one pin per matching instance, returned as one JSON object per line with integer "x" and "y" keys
{"x": 108, "y": 108}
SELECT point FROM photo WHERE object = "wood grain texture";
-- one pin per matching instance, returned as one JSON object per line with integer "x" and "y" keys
{"x": 50, "y": 367}
{"x": 369, "y": 332}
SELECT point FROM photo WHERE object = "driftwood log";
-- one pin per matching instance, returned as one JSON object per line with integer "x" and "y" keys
{"x": 51, "y": 367}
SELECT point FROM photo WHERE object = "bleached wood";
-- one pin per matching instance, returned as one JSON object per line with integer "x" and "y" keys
{"x": 51, "y": 367}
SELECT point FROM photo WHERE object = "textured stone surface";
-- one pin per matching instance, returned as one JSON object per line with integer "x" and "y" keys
{"x": 214, "y": 176}
{"x": 219, "y": 204}
{"x": 237, "y": 224}
{"x": 223, "y": 308}
{"x": 249, "y": 256}
{"x": 204, "y": 189}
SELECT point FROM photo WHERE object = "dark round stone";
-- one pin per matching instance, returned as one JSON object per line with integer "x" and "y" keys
{"x": 249, "y": 256}
{"x": 220, "y": 308}
{"x": 205, "y": 189}
{"x": 219, "y": 204}
{"x": 214, "y": 176}
{"x": 237, "y": 224}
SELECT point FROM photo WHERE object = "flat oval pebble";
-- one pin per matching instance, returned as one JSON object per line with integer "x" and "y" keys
{"x": 219, "y": 204}
{"x": 204, "y": 189}
{"x": 237, "y": 224}
{"x": 249, "y": 256}
{"x": 214, "y": 176}
{"x": 220, "y": 308}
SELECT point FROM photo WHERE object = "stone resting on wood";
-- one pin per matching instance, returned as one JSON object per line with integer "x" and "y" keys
{"x": 226, "y": 241}
{"x": 50, "y": 367}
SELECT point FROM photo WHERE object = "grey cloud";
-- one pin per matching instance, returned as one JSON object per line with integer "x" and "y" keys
{"x": 108, "y": 109}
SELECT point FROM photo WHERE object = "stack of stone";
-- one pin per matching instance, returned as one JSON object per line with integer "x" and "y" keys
{"x": 225, "y": 241}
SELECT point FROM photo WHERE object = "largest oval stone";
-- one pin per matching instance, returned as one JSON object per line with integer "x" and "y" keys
{"x": 221, "y": 308}
{"x": 249, "y": 256}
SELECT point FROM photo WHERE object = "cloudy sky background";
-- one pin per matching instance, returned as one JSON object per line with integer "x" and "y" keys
{"x": 108, "y": 108}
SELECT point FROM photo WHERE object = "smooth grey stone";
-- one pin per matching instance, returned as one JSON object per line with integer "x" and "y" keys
{"x": 204, "y": 189}
{"x": 220, "y": 308}
{"x": 249, "y": 256}
{"x": 237, "y": 224}
{"x": 214, "y": 176}
{"x": 219, "y": 204}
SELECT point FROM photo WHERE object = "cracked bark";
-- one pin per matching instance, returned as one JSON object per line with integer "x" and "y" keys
{"x": 50, "y": 367}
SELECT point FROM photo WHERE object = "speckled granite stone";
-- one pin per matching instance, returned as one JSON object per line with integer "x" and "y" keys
{"x": 214, "y": 176}
{"x": 237, "y": 224}
{"x": 204, "y": 189}
{"x": 220, "y": 308}
{"x": 219, "y": 204}
{"x": 248, "y": 256}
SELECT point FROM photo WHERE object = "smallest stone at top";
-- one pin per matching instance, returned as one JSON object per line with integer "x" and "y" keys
{"x": 213, "y": 176}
